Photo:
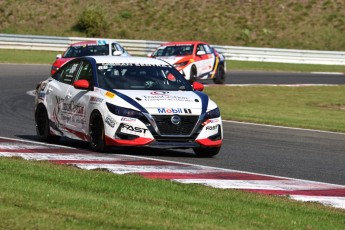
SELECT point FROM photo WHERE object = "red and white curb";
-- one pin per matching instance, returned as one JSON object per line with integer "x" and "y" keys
{"x": 309, "y": 191}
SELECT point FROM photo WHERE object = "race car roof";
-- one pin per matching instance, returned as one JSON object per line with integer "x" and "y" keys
{"x": 182, "y": 43}
{"x": 94, "y": 42}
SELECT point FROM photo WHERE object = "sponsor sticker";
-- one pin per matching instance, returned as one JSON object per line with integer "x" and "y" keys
{"x": 211, "y": 128}
{"x": 174, "y": 110}
{"x": 110, "y": 121}
{"x": 128, "y": 119}
{"x": 95, "y": 100}
{"x": 109, "y": 94}
{"x": 129, "y": 129}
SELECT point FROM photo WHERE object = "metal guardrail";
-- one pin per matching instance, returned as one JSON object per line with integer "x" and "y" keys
{"x": 142, "y": 47}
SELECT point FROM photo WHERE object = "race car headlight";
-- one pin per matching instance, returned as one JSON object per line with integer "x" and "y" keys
{"x": 212, "y": 114}
{"x": 181, "y": 64}
{"x": 124, "y": 112}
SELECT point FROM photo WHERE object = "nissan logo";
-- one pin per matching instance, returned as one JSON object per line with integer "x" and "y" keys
{"x": 176, "y": 120}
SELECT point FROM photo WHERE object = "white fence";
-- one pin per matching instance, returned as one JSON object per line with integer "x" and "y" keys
{"x": 142, "y": 47}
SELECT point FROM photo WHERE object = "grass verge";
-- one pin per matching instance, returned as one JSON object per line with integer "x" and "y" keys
{"x": 313, "y": 107}
{"x": 40, "y": 195}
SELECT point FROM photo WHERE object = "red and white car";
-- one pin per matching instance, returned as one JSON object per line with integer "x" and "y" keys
{"x": 102, "y": 47}
{"x": 195, "y": 59}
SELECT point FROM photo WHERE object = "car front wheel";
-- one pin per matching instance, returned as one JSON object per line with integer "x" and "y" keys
{"x": 220, "y": 75}
{"x": 193, "y": 74}
{"x": 206, "y": 152}
{"x": 96, "y": 132}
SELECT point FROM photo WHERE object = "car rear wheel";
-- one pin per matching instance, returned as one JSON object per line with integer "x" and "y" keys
{"x": 193, "y": 74}
{"x": 206, "y": 152}
{"x": 42, "y": 125}
{"x": 220, "y": 75}
{"x": 96, "y": 132}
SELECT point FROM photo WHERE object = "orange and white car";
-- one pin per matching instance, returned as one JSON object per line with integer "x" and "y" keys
{"x": 195, "y": 59}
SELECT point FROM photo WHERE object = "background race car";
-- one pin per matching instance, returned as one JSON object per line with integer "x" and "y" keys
{"x": 195, "y": 59}
{"x": 89, "y": 48}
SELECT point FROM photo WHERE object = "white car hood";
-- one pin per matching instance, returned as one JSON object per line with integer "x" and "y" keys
{"x": 166, "y": 102}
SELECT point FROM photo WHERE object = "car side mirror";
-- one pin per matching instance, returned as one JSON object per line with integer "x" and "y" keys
{"x": 149, "y": 54}
{"x": 82, "y": 84}
{"x": 58, "y": 56}
{"x": 117, "y": 53}
{"x": 198, "y": 86}
{"x": 199, "y": 53}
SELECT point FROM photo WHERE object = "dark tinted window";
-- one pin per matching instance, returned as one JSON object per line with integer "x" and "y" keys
{"x": 68, "y": 71}
{"x": 135, "y": 77}
{"x": 176, "y": 50}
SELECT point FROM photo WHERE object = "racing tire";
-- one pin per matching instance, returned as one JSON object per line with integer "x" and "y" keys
{"x": 193, "y": 74}
{"x": 42, "y": 125}
{"x": 220, "y": 75}
{"x": 206, "y": 152}
{"x": 96, "y": 132}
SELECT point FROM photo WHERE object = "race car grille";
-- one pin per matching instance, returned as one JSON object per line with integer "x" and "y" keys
{"x": 166, "y": 127}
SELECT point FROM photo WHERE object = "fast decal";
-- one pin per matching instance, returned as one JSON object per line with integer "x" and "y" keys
{"x": 131, "y": 129}
{"x": 212, "y": 127}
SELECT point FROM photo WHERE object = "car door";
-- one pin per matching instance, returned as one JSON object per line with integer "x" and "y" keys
{"x": 205, "y": 59}
{"x": 76, "y": 103}
{"x": 56, "y": 92}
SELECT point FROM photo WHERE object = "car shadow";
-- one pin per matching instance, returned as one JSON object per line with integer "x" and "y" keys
{"x": 133, "y": 151}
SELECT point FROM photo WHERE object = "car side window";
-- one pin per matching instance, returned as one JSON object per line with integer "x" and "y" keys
{"x": 68, "y": 72}
{"x": 207, "y": 49}
{"x": 85, "y": 72}
{"x": 200, "y": 47}
{"x": 116, "y": 47}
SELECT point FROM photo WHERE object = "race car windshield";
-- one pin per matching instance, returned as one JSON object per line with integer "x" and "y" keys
{"x": 177, "y": 50}
{"x": 88, "y": 50}
{"x": 139, "y": 77}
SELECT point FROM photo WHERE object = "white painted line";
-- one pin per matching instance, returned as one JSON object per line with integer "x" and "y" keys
{"x": 286, "y": 185}
{"x": 337, "y": 202}
{"x": 329, "y": 73}
{"x": 283, "y": 127}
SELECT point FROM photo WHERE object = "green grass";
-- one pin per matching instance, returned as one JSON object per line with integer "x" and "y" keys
{"x": 313, "y": 107}
{"x": 48, "y": 57}
{"x": 40, "y": 195}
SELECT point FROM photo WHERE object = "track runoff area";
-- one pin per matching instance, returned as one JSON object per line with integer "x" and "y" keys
{"x": 302, "y": 190}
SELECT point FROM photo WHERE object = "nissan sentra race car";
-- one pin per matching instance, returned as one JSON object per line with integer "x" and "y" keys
{"x": 103, "y": 47}
{"x": 195, "y": 59}
{"x": 127, "y": 101}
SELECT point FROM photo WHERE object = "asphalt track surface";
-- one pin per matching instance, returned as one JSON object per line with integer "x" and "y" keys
{"x": 295, "y": 153}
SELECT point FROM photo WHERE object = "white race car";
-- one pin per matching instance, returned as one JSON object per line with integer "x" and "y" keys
{"x": 127, "y": 101}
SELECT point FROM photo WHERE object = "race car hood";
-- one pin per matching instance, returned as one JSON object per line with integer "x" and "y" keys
{"x": 59, "y": 62}
{"x": 166, "y": 102}
{"x": 171, "y": 59}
